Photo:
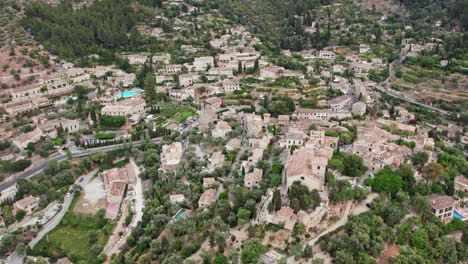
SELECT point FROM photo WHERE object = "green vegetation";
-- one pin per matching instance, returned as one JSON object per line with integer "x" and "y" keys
{"x": 101, "y": 28}
{"x": 112, "y": 121}
{"x": 105, "y": 136}
{"x": 80, "y": 238}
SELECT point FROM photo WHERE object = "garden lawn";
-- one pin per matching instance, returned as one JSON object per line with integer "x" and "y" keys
{"x": 184, "y": 115}
{"x": 70, "y": 238}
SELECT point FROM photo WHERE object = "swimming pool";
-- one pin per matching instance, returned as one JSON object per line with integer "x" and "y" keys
{"x": 128, "y": 93}
{"x": 457, "y": 215}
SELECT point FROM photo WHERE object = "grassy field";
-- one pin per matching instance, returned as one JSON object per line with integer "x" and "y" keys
{"x": 70, "y": 238}
{"x": 184, "y": 115}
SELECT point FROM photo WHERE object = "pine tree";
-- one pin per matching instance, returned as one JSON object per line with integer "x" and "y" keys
{"x": 276, "y": 200}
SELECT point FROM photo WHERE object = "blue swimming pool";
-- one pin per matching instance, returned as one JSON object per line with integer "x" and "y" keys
{"x": 457, "y": 215}
{"x": 128, "y": 93}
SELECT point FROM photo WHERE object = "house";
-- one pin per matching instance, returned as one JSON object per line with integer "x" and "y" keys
{"x": 304, "y": 166}
{"x": 328, "y": 55}
{"x": 27, "y": 204}
{"x": 214, "y": 103}
{"x": 461, "y": 184}
{"x": 173, "y": 68}
{"x": 189, "y": 78}
{"x": 220, "y": 73}
{"x": 136, "y": 59}
{"x": 231, "y": 85}
{"x": 253, "y": 124}
{"x": 121, "y": 79}
{"x": 130, "y": 106}
{"x": 216, "y": 160}
{"x": 189, "y": 48}
{"x": 257, "y": 155}
{"x": 171, "y": 156}
{"x": 164, "y": 58}
{"x": 293, "y": 138}
{"x": 233, "y": 144}
{"x": 207, "y": 198}
{"x": 23, "y": 140}
{"x": 116, "y": 181}
{"x": 176, "y": 198}
{"x": 209, "y": 182}
{"x": 313, "y": 114}
{"x": 273, "y": 72}
{"x": 261, "y": 143}
{"x": 359, "y": 108}
{"x": 253, "y": 179}
{"x": 202, "y": 63}
{"x": 221, "y": 129}
{"x": 364, "y": 48}
{"x": 283, "y": 120}
{"x": 341, "y": 103}
{"x": 441, "y": 206}
{"x": 285, "y": 216}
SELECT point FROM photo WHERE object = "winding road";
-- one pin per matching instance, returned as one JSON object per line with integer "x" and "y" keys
{"x": 33, "y": 171}
{"x": 49, "y": 226}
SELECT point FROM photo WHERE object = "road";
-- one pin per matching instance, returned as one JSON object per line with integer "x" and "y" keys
{"x": 49, "y": 226}
{"x": 399, "y": 96}
{"x": 33, "y": 171}
{"x": 343, "y": 221}
{"x": 392, "y": 70}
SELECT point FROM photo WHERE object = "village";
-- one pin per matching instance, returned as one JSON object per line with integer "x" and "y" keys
{"x": 222, "y": 140}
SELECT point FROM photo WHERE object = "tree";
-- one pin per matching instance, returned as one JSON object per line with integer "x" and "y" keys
{"x": 253, "y": 249}
{"x": 302, "y": 198}
{"x": 420, "y": 204}
{"x": 353, "y": 165}
{"x": 276, "y": 200}
{"x": 445, "y": 250}
{"x": 112, "y": 121}
{"x": 420, "y": 158}
{"x": 387, "y": 181}
{"x": 434, "y": 171}
{"x": 420, "y": 239}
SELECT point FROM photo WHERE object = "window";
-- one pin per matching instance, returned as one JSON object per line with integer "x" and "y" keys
{"x": 318, "y": 167}
{"x": 302, "y": 178}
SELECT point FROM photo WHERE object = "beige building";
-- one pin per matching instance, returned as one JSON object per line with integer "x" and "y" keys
{"x": 216, "y": 160}
{"x": 221, "y": 129}
{"x": 461, "y": 184}
{"x": 125, "y": 107}
{"x": 341, "y": 103}
{"x": 23, "y": 140}
{"x": 253, "y": 179}
{"x": 306, "y": 167}
{"x": 27, "y": 204}
{"x": 171, "y": 156}
{"x": 441, "y": 206}
{"x": 208, "y": 197}
{"x": 359, "y": 108}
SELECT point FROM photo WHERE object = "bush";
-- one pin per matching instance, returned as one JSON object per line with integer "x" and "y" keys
{"x": 112, "y": 121}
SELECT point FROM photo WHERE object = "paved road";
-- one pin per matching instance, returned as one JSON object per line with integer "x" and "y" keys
{"x": 49, "y": 226}
{"x": 33, "y": 171}
{"x": 400, "y": 96}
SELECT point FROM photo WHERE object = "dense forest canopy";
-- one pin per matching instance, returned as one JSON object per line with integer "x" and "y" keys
{"x": 103, "y": 25}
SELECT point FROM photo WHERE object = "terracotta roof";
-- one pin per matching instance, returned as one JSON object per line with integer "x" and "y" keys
{"x": 438, "y": 201}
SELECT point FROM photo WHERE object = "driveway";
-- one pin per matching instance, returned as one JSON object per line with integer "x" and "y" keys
{"x": 49, "y": 226}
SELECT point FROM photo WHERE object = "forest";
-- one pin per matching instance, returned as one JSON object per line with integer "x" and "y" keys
{"x": 98, "y": 28}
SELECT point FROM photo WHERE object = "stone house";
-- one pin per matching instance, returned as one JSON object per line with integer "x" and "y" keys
{"x": 221, "y": 129}
{"x": 207, "y": 198}
{"x": 171, "y": 156}
{"x": 253, "y": 179}
{"x": 27, "y": 204}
